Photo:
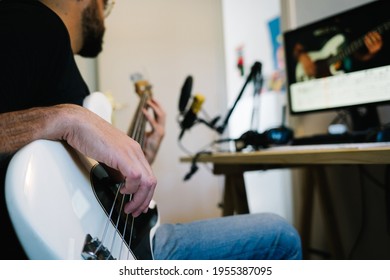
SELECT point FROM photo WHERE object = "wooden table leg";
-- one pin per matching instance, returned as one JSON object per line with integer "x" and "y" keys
{"x": 235, "y": 199}
{"x": 330, "y": 216}
{"x": 228, "y": 197}
{"x": 387, "y": 197}
{"x": 316, "y": 177}
{"x": 307, "y": 210}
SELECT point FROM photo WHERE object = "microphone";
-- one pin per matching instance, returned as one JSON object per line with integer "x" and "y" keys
{"x": 191, "y": 115}
{"x": 185, "y": 94}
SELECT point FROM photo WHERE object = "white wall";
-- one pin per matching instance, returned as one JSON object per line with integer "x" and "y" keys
{"x": 246, "y": 25}
{"x": 300, "y": 12}
{"x": 166, "y": 41}
{"x": 88, "y": 69}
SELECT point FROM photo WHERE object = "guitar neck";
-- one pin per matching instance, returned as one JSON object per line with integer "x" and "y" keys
{"x": 87, "y": 162}
{"x": 357, "y": 44}
{"x": 137, "y": 127}
{"x": 136, "y": 130}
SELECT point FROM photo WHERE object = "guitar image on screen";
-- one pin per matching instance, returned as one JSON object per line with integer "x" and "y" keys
{"x": 328, "y": 59}
{"x": 90, "y": 222}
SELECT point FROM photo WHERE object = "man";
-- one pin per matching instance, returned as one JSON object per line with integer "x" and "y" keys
{"x": 42, "y": 90}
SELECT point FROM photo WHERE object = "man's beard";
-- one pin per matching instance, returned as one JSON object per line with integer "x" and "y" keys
{"x": 93, "y": 32}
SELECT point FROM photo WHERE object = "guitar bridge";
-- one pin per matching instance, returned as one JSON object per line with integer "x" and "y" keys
{"x": 94, "y": 250}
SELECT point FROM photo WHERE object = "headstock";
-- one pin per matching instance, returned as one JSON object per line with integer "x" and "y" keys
{"x": 142, "y": 86}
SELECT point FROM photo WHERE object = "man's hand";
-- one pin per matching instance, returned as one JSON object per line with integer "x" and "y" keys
{"x": 98, "y": 139}
{"x": 154, "y": 137}
{"x": 373, "y": 42}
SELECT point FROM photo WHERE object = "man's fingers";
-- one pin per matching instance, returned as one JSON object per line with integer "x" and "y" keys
{"x": 140, "y": 201}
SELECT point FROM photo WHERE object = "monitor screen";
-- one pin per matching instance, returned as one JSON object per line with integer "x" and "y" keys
{"x": 341, "y": 61}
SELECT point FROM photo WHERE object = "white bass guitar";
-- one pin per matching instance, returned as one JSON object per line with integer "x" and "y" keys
{"x": 61, "y": 210}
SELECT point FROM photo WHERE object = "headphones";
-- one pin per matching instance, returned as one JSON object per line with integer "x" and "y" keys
{"x": 275, "y": 136}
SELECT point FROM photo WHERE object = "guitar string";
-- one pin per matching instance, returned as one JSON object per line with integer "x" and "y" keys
{"x": 123, "y": 236}
{"x": 124, "y": 233}
{"x": 136, "y": 132}
{"x": 116, "y": 228}
{"x": 108, "y": 220}
{"x": 131, "y": 235}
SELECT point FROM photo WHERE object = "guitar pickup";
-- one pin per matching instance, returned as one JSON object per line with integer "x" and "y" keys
{"x": 94, "y": 250}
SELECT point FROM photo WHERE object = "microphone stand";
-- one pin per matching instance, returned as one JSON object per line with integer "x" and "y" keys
{"x": 254, "y": 74}
{"x": 256, "y": 68}
{"x": 258, "y": 85}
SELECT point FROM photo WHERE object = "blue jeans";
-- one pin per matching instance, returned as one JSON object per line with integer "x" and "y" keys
{"x": 239, "y": 237}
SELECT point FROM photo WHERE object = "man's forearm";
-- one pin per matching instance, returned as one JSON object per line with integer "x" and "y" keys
{"x": 19, "y": 128}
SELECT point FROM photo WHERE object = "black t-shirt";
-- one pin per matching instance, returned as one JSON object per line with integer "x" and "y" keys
{"x": 37, "y": 68}
{"x": 37, "y": 64}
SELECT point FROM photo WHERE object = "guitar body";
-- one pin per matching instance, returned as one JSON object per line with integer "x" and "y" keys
{"x": 321, "y": 58}
{"x": 61, "y": 211}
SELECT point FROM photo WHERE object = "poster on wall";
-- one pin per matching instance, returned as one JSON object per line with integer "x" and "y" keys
{"x": 277, "y": 80}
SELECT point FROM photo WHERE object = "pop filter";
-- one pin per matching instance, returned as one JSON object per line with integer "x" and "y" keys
{"x": 185, "y": 94}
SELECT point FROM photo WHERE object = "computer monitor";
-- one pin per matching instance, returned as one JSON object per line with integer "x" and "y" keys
{"x": 341, "y": 62}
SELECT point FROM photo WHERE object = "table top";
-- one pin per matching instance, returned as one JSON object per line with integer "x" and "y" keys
{"x": 362, "y": 153}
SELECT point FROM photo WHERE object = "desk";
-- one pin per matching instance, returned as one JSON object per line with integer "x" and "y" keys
{"x": 233, "y": 165}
